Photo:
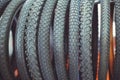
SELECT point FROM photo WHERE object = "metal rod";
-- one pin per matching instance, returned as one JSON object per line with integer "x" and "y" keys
{"x": 98, "y": 1}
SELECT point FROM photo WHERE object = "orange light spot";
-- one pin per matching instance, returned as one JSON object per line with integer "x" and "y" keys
{"x": 67, "y": 64}
{"x": 98, "y": 65}
{"x": 108, "y": 76}
{"x": 16, "y": 73}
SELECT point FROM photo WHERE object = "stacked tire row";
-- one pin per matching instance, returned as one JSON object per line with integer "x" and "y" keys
{"x": 56, "y": 40}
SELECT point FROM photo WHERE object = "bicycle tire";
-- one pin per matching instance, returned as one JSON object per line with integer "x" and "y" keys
{"x": 19, "y": 41}
{"x": 58, "y": 39}
{"x": 6, "y": 20}
{"x": 104, "y": 39}
{"x": 44, "y": 40}
{"x": 86, "y": 68}
{"x": 3, "y": 5}
{"x": 74, "y": 39}
{"x": 95, "y": 40}
{"x": 3, "y": 2}
{"x": 116, "y": 72}
{"x": 31, "y": 39}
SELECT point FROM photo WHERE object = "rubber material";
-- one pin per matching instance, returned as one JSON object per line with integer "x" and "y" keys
{"x": 95, "y": 40}
{"x": 20, "y": 50}
{"x": 104, "y": 39}
{"x": 117, "y": 56}
{"x": 3, "y": 2}
{"x": 31, "y": 40}
{"x": 3, "y": 5}
{"x": 74, "y": 39}
{"x": 86, "y": 68}
{"x": 44, "y": 40}
{"x": 6, "y": 21}
{"x": 59, "y": 26}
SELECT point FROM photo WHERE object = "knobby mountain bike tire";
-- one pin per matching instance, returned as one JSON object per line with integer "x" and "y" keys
{"x": 3, "y": 2}
{"x": 104, "y": 39}
{"x": 3, "y": 5}
{"x": 20, "y": 49}
{"x": 95, "y": 40}
{"x": 5, "y": 26}
{"x": 31, "y": 49}
{"x": 74, "y": 39}
{"x": 86, "y": 68}
{"x": 44, "y": 40}
{"x": 58, "y": 37}
{"x": 116, "y": 72}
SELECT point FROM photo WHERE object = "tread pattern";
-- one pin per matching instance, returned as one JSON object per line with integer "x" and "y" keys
{"x": 3, "y": 5}
{"x": 74, "y": 39}
{"x": 6, "y": 20}
{"x": 30, "y": 40}
{"x": 59, "y": 25}
{"x": 104, "y": 39}
{"x": 44, "y": 40}
{"x": 20, "y": 54}
{"x": 117, "y": 56}
{"x": 86, "y": 69}
{"x": 3, "y": 2}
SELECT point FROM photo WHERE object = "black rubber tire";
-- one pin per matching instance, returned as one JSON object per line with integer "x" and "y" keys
{"x": 116, "y": 75}
{"x": 58, "y": 39}
{"x": 86, "y": 68}
{"x": 104, "y": 39}
{"x": 74, "y": 39}
{"x": 95, "y": 40}
{"x": 3, "y": 5}
{"x": 5, "y": 26}
{"x": 44, "y": 40}
{"x": 20, "y": 50}
{"x": 31, "y": 39}
{"x": 3, "y": 2}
